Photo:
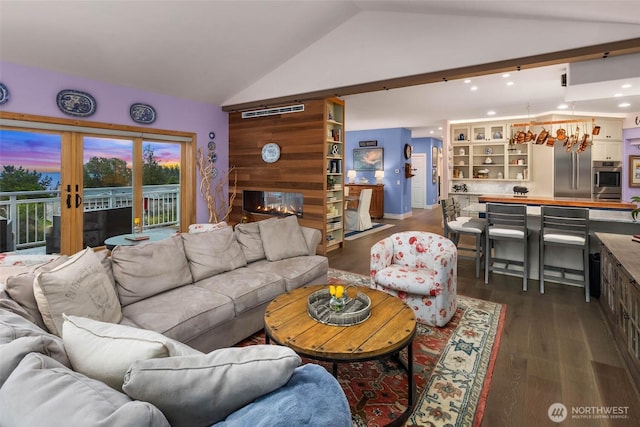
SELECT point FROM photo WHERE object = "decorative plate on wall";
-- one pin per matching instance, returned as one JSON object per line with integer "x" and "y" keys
{"x": 142, "y": 113}
{"x": 214, "y": 172}
{"x": 212, "y": 135}
{"x": 271, "y": 152}
{"x": 212, "y": 145}
{"x": 76, "y": 103}
{"x": 4, "y": 94}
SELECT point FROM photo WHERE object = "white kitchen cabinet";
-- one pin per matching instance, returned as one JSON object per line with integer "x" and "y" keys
{"x": 610, "y": 130}
{"x": 489, "y": 132}
{"x": 606, "y": 150}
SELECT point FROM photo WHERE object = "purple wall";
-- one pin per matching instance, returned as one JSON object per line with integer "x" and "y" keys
{"x": 424, "y": 145}
{"x": 629, "y": 150}
{"x": 34, "y": 90}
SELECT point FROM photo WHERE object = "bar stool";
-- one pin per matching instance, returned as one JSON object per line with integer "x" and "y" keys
{"x": 565, "y": 228}
{"x": 506, "y": 223}
{"x": 456, "y": 225}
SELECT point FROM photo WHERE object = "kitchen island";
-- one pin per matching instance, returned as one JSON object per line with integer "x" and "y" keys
{"x": 604, "y": 216}
{"x": 559, "y": 201}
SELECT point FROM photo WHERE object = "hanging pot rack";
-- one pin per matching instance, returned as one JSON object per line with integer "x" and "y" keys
{"x": 551, "y": 122}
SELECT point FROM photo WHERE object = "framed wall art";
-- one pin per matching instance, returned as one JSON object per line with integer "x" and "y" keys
{"x": 368, "y": 159}
{"x": 634, "y": 171}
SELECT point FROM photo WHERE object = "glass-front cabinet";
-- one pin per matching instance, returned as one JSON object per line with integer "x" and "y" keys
{"x": 488, "y": 132}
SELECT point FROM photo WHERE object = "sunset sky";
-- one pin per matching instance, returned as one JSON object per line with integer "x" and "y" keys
{"x": 41, "y": 151}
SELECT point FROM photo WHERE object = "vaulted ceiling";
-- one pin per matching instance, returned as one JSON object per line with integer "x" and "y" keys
{"x": 235, "y": 52}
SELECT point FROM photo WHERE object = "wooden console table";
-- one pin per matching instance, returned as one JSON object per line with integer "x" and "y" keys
{"x": 376, "y": 210}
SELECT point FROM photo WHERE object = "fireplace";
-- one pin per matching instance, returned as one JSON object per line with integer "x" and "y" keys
{"x": 275, "y": 203}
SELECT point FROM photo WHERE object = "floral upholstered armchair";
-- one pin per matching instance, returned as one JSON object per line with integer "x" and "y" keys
{"x": 421, "y": 269}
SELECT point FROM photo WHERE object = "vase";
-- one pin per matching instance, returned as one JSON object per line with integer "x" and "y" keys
{"x": 336, "y": 304}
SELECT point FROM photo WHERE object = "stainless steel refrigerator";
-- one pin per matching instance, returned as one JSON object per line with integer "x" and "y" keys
{"x": 572, "y": 173}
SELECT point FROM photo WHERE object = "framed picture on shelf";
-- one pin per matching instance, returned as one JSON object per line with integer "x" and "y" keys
{"x": 368, "y": 159}
{"x": 634, "y": 171}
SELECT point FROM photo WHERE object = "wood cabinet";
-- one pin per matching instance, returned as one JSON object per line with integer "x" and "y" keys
{"x": 620, "y": 295}
{"x": 333, "y": 234}
{"x": 376, "y": 210}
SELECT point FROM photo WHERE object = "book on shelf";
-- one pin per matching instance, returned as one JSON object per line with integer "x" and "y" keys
{"x": 137, "y": 237}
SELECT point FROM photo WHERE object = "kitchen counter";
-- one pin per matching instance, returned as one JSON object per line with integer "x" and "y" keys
{"x": 559, "y": 201}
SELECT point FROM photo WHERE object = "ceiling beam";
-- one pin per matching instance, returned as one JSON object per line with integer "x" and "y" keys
{"x": 598, "y": 51}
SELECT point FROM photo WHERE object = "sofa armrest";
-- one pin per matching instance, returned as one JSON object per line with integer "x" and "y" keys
{"x": 312, "y": 236}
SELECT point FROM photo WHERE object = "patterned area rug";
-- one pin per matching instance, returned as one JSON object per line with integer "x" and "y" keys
{"x": 452, "y": 369}
{"x": 376, "y": 226}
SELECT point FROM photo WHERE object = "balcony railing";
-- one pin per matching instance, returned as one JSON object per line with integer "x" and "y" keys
{"x": 32, "y": 212}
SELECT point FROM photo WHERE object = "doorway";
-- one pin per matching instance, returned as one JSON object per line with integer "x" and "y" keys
{"x": 418, "y": 182}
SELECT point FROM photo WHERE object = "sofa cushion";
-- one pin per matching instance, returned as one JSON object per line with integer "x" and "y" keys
{"x": 290, "y": 404}
{"x": 212, "y": 252}
{"x": 80, "y": 287}
{"x": 295, "y": 271}
{"x": 14, "y": 326}
{"x": 247, "y": 288}
{"x": 43, "y": 392}
{"x": 13, "y": 352}
{"x": 282, "y": 238}
{"x": 20, "y": 288}
{"x": 148, "y": 269}
{"x": 181, "y": 313}
{"x": 201, "y": 390}
{"x": 248, "y": 236}
{"x": 105, "y": 351}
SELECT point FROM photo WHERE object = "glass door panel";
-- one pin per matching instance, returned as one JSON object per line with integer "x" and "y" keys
{"x": 107, "y": 191}
{"x": 30, "y": 183}
{"x": 161, "y": 185}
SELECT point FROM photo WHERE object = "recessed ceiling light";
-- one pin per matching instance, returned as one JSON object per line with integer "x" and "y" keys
{"x": 474, "y": 88}
{"x": 624, "y": 104}
{"x": 440, "y": 128}
{"x": 509, "y": 83}
{"x": 562, "y": 107}
{"x": 467, "y": 81}
{"x": 626, "y": 86}
{"x": 491, "y": 113}
{"x": 505, "y": 75}
{"x": 432, "y": 132}
{"x": 618, "y": 95}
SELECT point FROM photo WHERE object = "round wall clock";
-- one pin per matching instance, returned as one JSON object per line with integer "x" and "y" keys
{"x": 271, "y": 152}
{"x": 407, "y": 151}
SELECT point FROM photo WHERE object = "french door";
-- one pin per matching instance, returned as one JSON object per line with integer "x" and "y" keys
{"x": 65, "y": 190}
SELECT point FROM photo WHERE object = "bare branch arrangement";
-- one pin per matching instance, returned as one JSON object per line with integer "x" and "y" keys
{"x": 218, "y": 205}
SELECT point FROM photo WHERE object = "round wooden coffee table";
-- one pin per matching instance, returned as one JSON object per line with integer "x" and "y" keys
{"x": 390, "y": 328}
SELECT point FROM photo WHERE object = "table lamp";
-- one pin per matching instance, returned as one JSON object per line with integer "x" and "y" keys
{"x": 351, "y": 174}
{"x": 379, "y": 175}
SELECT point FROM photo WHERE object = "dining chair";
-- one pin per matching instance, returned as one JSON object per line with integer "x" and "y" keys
{"x": 359, "y": 218}
{"x": 456, "y": 226}
{"x": 564, "y": 228}
{"x": 506, "y": 223}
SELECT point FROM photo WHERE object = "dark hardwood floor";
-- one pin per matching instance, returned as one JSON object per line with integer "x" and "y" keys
{"x": 555, "y": 347}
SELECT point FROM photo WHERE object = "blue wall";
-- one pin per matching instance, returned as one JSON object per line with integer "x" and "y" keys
{"x": 397, "y": 188}
{"x": 424, "y": 145}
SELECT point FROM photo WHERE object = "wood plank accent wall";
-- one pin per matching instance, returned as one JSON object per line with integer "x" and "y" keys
{"x": 302, "y": 164}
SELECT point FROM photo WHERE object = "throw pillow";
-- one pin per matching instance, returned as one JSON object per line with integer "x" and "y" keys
{"x": 12, "y": 353}
{"x": 201, "y": 390}
{"x": 81, "y": 287}
{"x": 201, "y": 228}
{"x": 105, "y": 351}
{"x": 20, "y": 289}
{"x": 282, "y": 238}
{"x": 213, "y": 252}
{"x": 148, "y": 269}
{"x": 248, "y": 236}
{"x": 43, "y": 392}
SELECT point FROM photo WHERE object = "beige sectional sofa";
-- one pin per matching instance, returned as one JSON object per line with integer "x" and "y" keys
{"x": 105, "y": 334}
{"x": 207, "y": 289}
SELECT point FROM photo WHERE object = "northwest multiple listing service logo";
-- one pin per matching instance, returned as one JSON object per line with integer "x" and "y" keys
{"x": 557, "y": 412}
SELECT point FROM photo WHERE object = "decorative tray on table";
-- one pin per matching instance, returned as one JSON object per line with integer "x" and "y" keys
{"x": 355, "y": 310}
